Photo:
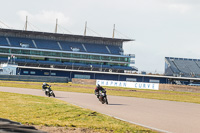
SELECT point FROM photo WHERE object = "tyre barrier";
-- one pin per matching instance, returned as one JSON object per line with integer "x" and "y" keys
{"x": 8, "y": 126}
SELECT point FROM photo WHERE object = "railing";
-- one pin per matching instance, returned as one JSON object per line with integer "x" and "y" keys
{"x": 131, "y": 55}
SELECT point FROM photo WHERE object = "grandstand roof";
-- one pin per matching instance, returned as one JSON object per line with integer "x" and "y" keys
{"x": 59, "y": 36}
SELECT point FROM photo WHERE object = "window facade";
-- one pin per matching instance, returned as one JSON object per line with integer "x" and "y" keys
{"x": 70, "y": 57}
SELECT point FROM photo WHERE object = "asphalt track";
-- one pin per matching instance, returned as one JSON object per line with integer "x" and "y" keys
{"x": 160, "y": 115}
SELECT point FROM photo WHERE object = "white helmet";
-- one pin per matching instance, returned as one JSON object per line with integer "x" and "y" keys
{"x": 44, "y": 83}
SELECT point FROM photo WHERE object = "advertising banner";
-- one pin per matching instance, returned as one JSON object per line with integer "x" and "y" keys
{"x": 138, "y": 85}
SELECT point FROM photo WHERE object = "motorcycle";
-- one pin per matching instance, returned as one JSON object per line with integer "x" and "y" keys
{"x": 49, "y": 92}
{"x": 103, "y": 97}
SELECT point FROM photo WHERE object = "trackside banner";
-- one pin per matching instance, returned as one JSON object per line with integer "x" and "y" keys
{"x": 138, "y": 85}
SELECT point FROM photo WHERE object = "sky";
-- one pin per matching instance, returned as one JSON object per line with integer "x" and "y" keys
{"x": 161, "y": 28}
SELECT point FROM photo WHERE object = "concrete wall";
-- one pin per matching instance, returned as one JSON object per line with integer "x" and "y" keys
{"x": 84, "y": 81}
{"x": 183, "y": 88}
{"x": 34, "y": 78}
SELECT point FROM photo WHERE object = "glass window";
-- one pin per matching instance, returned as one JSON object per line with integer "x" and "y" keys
{"x": 96, "y": 57}
{"x": 46, "y": 53}
{"x": 131, "y": 79}
{"x": 35, "y": 52}
{"x": 4, "y": 50}
{"x": 32, "y": 72}
{"x": 114, "y": 59}
{"x": 85, "y": 56}
{"x": 53, "y": 74}
{"x": 66, "y": 55}
{"x": 76, "y": 55}
{"x": 46, "y": 73}
{"x": 15, "y": 51}
{"x": 25, "y": 72}
{"x": 55, "y": 54}
{"x": 105, "y": 58}
{"x": 154, "y": 81}
{"x": 122, "y": 59}
{"x": 25, "y": 51}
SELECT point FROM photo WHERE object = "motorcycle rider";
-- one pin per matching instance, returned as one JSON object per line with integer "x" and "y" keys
{"x": 46, "y": 86}
{"x": 97, "y": 89}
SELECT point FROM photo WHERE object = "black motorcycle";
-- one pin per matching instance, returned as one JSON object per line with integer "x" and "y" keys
{"x": 103, "y": 97}
{"x": 49, "y": 92}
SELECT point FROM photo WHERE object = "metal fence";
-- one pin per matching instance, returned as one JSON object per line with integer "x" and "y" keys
{"x": 34, "y": 78}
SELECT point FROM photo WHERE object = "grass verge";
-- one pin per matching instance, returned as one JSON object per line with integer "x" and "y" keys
{"x": 130, "y": 92}
{"x": 35, "y": 110}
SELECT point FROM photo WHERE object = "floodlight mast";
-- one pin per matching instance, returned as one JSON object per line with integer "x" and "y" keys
{"x": 26, "y": 24}
{"x": 56, "y": 28}
{"x": 85, "y": 28}
{"x": 113, "y": 31}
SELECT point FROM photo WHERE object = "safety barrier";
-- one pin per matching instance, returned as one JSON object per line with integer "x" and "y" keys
{"x": 169, "y": 87}
{"x": 34, "y": 78}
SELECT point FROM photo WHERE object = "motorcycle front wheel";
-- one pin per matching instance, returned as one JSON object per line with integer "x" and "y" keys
{"x": 106, "y": 100}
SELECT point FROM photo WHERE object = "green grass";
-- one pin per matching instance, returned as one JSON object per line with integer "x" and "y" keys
{"x": 117, "y": 91}
{"x": 35, "y": 110}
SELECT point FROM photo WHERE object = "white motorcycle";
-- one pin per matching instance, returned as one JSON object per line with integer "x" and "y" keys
{"x": 49, "y": 92}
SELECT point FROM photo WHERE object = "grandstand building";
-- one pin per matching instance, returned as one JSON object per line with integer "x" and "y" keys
{"x": 54, "y": 54}
{"x": 182, "y": 67}
{"x": 87, "y": 57}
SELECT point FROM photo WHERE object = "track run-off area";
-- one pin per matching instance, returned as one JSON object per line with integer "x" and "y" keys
{"x": 160, "y": 115}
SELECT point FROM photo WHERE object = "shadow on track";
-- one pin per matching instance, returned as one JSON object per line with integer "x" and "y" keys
{"x": 116, "y": 104}
{"x": 59, "y": 97}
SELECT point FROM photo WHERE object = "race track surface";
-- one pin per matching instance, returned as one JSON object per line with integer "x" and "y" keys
{"x": 160, "y": 115}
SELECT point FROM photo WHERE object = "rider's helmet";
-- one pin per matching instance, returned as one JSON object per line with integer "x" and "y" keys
{"x": 44, "y": 83}
{"x": 98, "y": 86}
